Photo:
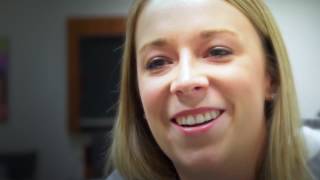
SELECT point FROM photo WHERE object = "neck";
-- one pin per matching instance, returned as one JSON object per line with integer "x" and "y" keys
{"x": 240, "y": 173}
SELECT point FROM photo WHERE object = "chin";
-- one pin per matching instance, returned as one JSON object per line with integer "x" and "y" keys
{"x": 201, "y": 159}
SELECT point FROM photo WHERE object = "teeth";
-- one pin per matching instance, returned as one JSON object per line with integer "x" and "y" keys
{"x": 190, "y": 120}
{"x": 198, "y": 119}
{"x": 183, "y": 121}
{"x": 208, "y": 116}
{"x": 214, "y": 114}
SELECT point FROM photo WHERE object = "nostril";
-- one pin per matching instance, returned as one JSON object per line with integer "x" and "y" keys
{"x": 186, "y": 91}
{"x": 179, "y": 92}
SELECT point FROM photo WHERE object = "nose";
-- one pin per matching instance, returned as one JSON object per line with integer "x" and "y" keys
{"x": 193, "y": 89}
{"x": 191, "y": 84}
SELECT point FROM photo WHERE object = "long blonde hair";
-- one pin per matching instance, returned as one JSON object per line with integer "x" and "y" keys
{"x": 135, "y": 153}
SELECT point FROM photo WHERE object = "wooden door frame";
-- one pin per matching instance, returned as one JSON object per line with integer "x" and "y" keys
{"x": 77, "y": 28}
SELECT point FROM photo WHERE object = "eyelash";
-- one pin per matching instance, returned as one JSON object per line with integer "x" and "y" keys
{"x": 157, "y": 63}
{"x": 218, "y": 52}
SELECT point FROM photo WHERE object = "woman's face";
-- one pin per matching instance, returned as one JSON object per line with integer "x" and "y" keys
{"x": 202, "y": 82}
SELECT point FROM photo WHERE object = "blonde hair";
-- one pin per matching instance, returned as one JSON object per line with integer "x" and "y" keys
{"x": 135, "y": 153}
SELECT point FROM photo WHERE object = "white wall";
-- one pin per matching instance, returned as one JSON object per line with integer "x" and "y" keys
{"x": 37, "y": 33}
{"x": 299, "y": 23}
{"x": 38, "y": 85}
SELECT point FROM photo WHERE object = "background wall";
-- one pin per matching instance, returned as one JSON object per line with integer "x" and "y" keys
{"x": 38, "y": 86}
{"x": 300, "y": 27}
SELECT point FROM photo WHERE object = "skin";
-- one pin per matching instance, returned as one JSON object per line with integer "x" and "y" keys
{"x": 195, "y": 54}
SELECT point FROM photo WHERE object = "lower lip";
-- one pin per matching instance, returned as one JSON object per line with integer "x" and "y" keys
{"x": 198, "y": 130}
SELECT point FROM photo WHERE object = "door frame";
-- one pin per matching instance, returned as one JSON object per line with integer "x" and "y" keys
{"x": 78, "y": 27}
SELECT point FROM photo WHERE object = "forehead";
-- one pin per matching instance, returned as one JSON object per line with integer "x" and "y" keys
{"x": 176, "y": 18}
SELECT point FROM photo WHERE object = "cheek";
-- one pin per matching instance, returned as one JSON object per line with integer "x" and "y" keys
{"x": 246, "y": 79}
{"x": 243, "y": 86}
{"x": 153, "y": 97}
{"x": 249, "y": 102}
{"x": 248, "y": 95}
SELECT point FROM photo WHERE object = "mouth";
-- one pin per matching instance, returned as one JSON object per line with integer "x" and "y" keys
{"x": 197, "y": 119}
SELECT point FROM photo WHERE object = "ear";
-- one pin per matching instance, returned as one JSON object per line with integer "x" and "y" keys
{"x": 270, "y": 90}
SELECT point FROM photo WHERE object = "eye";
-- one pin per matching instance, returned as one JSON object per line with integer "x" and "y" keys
{"x": 157, "y": 63}
{"x": 219, "y": 52}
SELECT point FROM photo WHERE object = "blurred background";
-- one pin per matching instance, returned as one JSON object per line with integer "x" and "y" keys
{"x": 56, "y": 109}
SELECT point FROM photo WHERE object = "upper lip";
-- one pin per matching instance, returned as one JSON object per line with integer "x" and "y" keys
{"x": 194, "y": 111}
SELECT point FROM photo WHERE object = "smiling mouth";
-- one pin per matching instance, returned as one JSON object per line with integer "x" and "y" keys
{"x": 197, "y": 119}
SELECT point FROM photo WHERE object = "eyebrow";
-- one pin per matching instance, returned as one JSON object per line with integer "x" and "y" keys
{"x": 161, "y": 42}
{"x": 207, "y": 34}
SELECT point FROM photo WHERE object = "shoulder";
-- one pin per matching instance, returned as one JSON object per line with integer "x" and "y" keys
{"x": 312, "y": 139}
{"x": 114, "y": 176}
{"x": 314, "y": 164}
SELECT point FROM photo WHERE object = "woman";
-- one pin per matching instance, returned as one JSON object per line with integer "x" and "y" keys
{"x": 206, "y": 93}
